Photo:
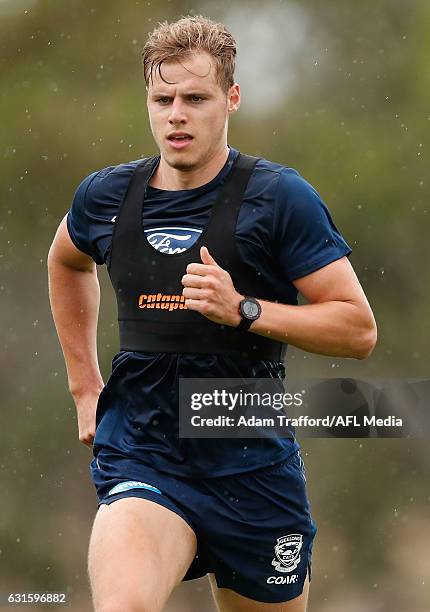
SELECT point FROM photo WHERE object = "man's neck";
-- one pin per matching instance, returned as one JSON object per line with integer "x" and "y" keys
{"x": 172, "y": 179}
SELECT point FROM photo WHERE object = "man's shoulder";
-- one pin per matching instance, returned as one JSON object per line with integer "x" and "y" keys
{"x": 279, "y": 176}
{"x": 286, "y": 172}
{"x": 106, "y": 185}
{"x": 112, "y": 176}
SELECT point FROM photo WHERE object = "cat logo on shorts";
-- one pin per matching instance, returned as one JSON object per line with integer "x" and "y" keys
{"x": 287, "y": 551}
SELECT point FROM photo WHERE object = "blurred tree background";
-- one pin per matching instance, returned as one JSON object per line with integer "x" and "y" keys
{"x": 339, "y": 90}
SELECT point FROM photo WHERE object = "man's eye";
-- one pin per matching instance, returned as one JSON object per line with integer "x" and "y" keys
{"x": 196, "y": 98}
{"x": 163, "y": 100}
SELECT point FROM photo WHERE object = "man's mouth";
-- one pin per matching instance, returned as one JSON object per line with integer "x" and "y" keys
{"x": 179, "y": 137}
{"x": 178, "y": 140}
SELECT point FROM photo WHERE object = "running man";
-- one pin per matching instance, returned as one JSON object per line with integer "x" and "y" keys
{"x": 207, "y": 250}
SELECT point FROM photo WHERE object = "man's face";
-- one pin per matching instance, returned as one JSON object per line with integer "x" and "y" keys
{"x": 189, "y": 114}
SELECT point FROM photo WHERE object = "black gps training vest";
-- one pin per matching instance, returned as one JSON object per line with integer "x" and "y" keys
{"x": 152, "y": 314}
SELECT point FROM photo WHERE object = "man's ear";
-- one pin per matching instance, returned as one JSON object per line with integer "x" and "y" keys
{"x": 233, "y": 98}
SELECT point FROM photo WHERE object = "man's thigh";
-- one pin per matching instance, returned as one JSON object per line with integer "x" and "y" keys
{"x": 229, "y": 601}
{"x": 139, "y": 551}
{"x": 266, "y": 554}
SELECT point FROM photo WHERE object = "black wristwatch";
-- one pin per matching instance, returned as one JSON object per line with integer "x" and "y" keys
{"x": 249, "y": 310}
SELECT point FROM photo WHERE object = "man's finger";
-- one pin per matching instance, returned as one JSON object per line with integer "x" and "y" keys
{"x": 200, "y": 269}
{"x": 206, "y": 257}
{"x": 199, "y": 305}
{"x": 193, "y": 304}
{"x": 193, "y": 280}
{"x": 193, "y": 293}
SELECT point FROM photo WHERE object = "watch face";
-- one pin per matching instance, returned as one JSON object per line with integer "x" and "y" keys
{"x": 250, "y": 309}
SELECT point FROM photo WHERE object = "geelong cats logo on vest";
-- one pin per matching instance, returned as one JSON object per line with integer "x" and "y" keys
{"x": 287, "y": 551}
{"x": 172, "y": 240}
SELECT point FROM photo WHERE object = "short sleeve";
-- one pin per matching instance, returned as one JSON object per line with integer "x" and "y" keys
{"x": 79, "y": 221}
{"x": 306, "y": 238}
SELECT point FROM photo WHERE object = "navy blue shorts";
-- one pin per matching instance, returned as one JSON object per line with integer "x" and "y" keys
{"x": 254, "y": 530}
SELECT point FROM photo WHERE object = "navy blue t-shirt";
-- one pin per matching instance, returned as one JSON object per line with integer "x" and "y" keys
{"x": 284, "y": 230}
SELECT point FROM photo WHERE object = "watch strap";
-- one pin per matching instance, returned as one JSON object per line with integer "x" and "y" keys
{"x": 245, "y": 324}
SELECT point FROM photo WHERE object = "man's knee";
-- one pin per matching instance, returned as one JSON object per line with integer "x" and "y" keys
{"x": 126, "y": 602}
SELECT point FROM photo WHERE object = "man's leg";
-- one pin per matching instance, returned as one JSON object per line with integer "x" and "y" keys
{"x": 139, "y": 551}
{"x": 229, "y": 601}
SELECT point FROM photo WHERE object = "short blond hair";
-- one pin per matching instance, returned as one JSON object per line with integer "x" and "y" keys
{"x": 170, "y": 41}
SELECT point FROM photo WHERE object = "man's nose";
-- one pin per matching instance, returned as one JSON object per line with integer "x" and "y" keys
{"x": 177, "y": 114}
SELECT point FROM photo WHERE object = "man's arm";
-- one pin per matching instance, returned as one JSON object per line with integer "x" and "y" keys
{"x": 75, "y": 297}
{"x": 338, "y": 320}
